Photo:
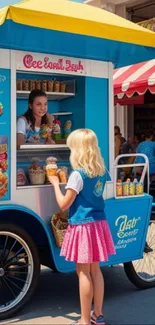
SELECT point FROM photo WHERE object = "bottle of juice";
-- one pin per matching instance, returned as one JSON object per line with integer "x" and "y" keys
{"x": 132, "y": 188}
{"x": 139, "y": 188}
{"x": 119, "y": 188}
{"x": 135, "y": 182}
{"x": 126, "y": 187}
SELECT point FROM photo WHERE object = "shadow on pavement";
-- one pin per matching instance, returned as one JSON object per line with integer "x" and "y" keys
{"x": 56, "y": 300}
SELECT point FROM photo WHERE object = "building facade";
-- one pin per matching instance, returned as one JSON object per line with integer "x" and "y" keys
{"x": 135, "y": 11}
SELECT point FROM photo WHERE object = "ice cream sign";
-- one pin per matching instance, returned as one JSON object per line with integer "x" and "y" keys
{"x": 39, "y": 62}
{"x": 59, "y": 65}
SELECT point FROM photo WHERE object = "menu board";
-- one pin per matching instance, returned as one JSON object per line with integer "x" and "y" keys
{"x": 5, "y": 130}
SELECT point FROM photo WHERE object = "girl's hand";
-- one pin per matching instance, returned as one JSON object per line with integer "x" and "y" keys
{"x": 50, "y": 118}
{"x": 49, "y": 141}
{"x": 54, "y": 180}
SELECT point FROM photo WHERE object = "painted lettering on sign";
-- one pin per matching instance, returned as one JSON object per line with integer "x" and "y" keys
{"x": 59, "y": 65}
{"x": 126, "y": 226}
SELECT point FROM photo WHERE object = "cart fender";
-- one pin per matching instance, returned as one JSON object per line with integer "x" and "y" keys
{"x": 32, "y": 223}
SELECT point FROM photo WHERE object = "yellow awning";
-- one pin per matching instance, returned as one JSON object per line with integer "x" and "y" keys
{"x": 82, "y": 19}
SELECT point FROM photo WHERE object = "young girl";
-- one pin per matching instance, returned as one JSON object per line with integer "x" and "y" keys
{"x": 35, "y": 125}
{"x": 88, "y": 240}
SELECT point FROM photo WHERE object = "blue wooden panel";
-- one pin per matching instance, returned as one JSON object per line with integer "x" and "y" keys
{"x": 96, "y": 112}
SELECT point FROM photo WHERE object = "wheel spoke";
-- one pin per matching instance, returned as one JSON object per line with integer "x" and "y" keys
{"x": 153, "y": 268}
{"x": 4, "y": 249}
{"x": 14, "y": 271}
{"x": 18, "y": 258}
{"x": 13, "y": 257}
{"x": 12, "y": 283}
{"x": 19, "y": 267}
{"x": 16, "y": 267}
{"x": 3, "y": 288}
{"x": 151, "y": 239}
{"x": 16, "y": 278}
{"x": 136, "y": 263}
{"x": 10, "y": 289}
{"x": 10, "y": 250}
{"x": 148, "y": 259}
{"x": 145, "y": 268}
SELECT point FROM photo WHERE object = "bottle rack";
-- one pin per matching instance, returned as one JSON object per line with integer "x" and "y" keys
{"x": 144, "y": 172}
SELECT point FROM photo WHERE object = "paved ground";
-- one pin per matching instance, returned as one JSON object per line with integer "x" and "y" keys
{"x": 56, "y": 301}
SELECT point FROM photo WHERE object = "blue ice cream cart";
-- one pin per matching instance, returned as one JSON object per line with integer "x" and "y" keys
{"x": 77, "y": 46}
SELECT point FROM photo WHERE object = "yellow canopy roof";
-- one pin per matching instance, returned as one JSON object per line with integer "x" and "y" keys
{"x": 72, "y": 17}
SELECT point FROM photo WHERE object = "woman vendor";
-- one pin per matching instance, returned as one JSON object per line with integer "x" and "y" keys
{"x": 35, "y": 125}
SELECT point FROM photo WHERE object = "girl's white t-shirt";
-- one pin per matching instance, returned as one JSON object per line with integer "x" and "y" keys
{"x": 75, "y": 182}
{"x": 22, "y": 126}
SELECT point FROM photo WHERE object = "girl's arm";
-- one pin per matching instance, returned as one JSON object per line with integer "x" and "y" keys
{"x": 20, "y": 140}
{"x": 64, "y": 201}
{"x": 50, "y": 119}
{"x": 21, "y": 131}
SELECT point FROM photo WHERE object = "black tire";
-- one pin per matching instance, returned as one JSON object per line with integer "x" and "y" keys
{"x": 19, "y": 269}
{"x": 139, "y": 279}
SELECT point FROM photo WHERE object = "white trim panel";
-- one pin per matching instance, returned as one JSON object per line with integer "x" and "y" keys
{"x": 99, "y": 69}
{"x": 54, "y": 64}
{"x": 111, "y": 121}
{"x": 4, "y": 59}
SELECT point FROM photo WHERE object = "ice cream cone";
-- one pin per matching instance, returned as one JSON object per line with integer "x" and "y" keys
{"x": 51, "y": 170}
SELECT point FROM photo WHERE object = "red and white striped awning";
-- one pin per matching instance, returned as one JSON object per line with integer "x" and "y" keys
{"x": 134, "y": 79}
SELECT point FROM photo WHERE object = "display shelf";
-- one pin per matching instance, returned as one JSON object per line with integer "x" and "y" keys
{"x": 26, "y": 187}
{"x": 21, "y": 94}
{"x": 43, "y": 146}
{"x": 42, "y": 152}
{"x": 129, "y": 196}
{"x": 62, "y": 113}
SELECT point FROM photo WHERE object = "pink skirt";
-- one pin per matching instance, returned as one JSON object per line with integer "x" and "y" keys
{"x": 88, "y": 243}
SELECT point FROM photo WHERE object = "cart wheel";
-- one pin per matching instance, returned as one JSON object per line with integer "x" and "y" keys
{"x": 142, "y": 272}
{"x": 19, "y": 269}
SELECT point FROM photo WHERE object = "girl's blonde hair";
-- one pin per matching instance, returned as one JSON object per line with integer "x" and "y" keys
{"x": 85, "y": 152}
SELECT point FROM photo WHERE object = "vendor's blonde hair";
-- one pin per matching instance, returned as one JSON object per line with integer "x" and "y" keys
{"x": 85, "y": 152}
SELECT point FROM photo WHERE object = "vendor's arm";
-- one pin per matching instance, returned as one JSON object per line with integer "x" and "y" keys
{"x": 21, "y": 131}
{"x": 50, "y": 119}
{"x": 74, "y": 186}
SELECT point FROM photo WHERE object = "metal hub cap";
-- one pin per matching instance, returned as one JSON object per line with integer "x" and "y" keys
{"x": 1, "y": 272}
